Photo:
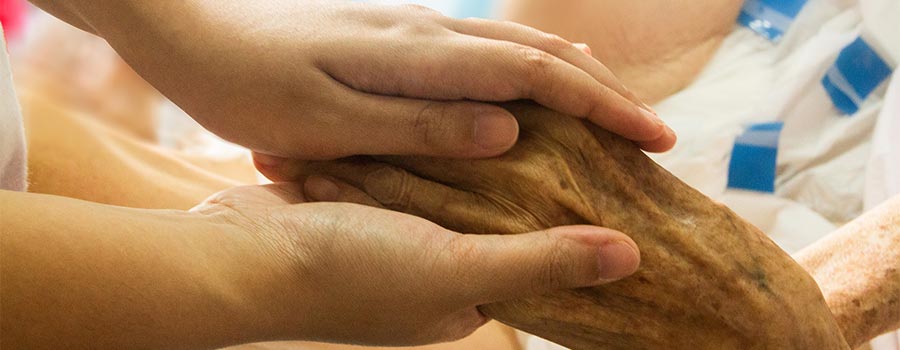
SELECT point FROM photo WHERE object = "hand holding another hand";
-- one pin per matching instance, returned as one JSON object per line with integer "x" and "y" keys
{"x": 356, "y": 274}
{"x": 323, "y": 80}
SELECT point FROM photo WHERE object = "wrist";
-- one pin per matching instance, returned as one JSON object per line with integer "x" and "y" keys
{"x": 202, "y": 283}
{"x": 261, "y": 273}
{"x": 99, "y": 276}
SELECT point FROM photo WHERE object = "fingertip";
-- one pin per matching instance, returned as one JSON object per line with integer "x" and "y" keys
{"x": 621, "y": 116}
{"x": 662, "y": 144}
{"x": 495, "y": 132}
{"x": 583, "y": 48}
{"x": 446, "y": 129}
{"x": 654, "y": 123}
{"x": 267, "y": 160}
{"x": 617, "y": 254}
{"x": 617, "y": 260}
{"x": 319, "y": 188}
{"x": 592, "y": 235}
{"x": 635, "y": 123}
{"x": 270, "y": 166}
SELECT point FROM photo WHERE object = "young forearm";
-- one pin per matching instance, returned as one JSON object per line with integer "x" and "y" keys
{"x": 65, "y": 12}
{"x": 82, "y": 275}
{"x": 92, "y": 15}
{"x": 858, "y": 270}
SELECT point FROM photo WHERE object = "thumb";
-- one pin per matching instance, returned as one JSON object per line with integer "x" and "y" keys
{"x": 449, "y": 129}
{"x": 502, "y": 267}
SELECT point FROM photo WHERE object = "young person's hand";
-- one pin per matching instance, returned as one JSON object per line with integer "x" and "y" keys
{"x": 257, "y": 263}
{"x": 327, "y": 79}
{"x": 342, "y": 272}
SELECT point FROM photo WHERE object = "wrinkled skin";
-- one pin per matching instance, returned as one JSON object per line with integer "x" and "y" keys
{"x": 708, "y": 279}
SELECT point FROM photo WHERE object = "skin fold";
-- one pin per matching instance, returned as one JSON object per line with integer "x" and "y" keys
{"x": 708, "y": 279}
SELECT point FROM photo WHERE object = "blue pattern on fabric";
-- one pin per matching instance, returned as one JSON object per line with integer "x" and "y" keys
{"x": 857, "y": 72}
{"x": 770, "y": 18}
{"x": 754, "y": 157}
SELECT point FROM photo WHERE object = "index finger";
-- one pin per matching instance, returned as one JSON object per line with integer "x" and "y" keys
{"x": 566, "y": 51}
{"x": 552, "y": 44}
{"x": 563, "y": 87}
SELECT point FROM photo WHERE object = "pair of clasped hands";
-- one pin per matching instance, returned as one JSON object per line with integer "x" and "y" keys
{"x": 299, "y": 81}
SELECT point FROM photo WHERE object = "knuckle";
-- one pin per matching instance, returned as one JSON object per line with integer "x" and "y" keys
{"x": 429, "y": 124}
{"x": 554, "y": 272}
{"x": 456, "y": 257}
{"x": 553, "y": 43}
{"x": 421, "y": 28}
{"x": 471, "y": 22}
{"x": 224, "y": 200}
{"x": 533, "y": 67}
{"x": 535, "y": 60}
{"x": 475, "y": 24}
{"x": 420, "y": 10}
{"x": 462, "y": 249}
{"x": 508, "y": 23}
{"x": 421, "y": 21}
{"x": 390, "y": 187}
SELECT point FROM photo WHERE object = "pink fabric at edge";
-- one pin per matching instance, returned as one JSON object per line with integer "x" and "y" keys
{"x": 12, "y": 17}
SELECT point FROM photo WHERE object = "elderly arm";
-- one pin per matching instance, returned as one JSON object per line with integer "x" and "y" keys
{"x": 858, "y": 269}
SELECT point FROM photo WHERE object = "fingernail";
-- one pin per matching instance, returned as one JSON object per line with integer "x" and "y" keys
{"x": 647, "y": 108}
{"x": 319, "y": 188}
{"x": 583, "y": 47}
{"x": 671, "y": 133}
{"x": 266, "y": 160}
{"x": 495, "y": 131}
{"x": 652, "y": 116}
{"x": 617, "y": 260}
